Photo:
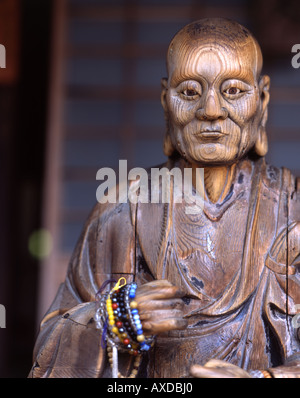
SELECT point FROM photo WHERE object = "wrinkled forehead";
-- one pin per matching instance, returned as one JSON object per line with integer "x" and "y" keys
{"x": 213, "y": 59}
{"x": 235, "y": 49}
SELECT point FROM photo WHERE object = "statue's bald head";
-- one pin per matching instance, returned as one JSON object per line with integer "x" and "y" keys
{"x": 214, "y": 84}
{"x": 228, "y": 35}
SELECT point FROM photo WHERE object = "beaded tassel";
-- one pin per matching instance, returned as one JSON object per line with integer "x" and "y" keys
{"x": 119, "y": 319}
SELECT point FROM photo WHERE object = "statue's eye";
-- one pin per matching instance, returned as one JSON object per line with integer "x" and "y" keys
{"x": 232, "y": 91}
{"x": 190, "y": 93}
{"x": 189, "y": 90}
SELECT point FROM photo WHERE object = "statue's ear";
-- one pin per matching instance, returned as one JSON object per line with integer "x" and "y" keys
{"x": 168, "y": 146}
{"x": 164, "y": 89}
{"x": 261, "y": 144}
{"x": 264, "y": 90}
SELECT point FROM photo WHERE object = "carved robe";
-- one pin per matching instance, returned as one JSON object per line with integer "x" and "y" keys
{"x": 236, "y": 261}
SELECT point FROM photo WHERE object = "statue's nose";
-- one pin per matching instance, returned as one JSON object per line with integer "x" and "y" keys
{"x": 211, "y": 109}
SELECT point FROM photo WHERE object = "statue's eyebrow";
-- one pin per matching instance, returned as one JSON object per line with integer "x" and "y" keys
{"x": 179, "y": 76}
{"x": 176, "y": 80}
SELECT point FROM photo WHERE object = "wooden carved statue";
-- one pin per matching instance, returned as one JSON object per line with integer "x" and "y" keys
{"x": 212, "y": 293}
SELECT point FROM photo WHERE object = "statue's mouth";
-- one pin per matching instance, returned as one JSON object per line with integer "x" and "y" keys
{"x": 210, "y": 134}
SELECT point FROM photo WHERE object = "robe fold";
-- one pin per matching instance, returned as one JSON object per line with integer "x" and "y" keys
{"x": 236, "y": 262}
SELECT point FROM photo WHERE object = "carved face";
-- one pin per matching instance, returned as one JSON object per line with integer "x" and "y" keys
{"x": 213, "y": 101}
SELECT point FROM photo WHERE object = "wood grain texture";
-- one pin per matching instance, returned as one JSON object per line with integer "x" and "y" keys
{"x": 219, "y": 287}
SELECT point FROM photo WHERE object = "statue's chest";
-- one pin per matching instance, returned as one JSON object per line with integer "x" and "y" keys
{"x": 208, "y": 253}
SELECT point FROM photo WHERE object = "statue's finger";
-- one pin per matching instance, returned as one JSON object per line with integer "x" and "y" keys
{"x": 158, "y": 315}
{"x": 165, "y": 292}
{"x": 156, "y": 327}
{"x": 208, "y": 373}
{"x": 154, "y": 305}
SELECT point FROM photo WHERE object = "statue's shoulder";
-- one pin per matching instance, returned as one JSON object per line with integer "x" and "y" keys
{"x": 271, "y": 176}
{"x": 282, "y": 179}
{"x": 286, "y": 185}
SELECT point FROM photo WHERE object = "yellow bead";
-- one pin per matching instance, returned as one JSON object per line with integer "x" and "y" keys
{"x": 111, "y": 322}
{"x": 115, "y": 330}
{"x": 133, "y": 304}
{"x": 140, "y": 338}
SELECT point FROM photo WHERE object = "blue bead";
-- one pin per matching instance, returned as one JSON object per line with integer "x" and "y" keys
{"x": 139, "y": 331}
{"x": 136, "y": 317}
{"x": 145, "y": 347}
{"x": 131, "y": 294}
{"x": 134, "y": 311}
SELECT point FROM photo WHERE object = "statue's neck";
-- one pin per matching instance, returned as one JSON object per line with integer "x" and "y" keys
{"x": 217, "y": 182}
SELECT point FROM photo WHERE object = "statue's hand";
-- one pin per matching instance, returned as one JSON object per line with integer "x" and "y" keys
{"x": 160, "y": 307}
{"x": 216, "y": 368}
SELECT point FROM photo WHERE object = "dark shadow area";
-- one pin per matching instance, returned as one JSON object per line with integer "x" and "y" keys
{"x": 23, "y": 125}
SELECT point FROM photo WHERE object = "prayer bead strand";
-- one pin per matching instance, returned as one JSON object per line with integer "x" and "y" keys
{"x": 118, "y": 316}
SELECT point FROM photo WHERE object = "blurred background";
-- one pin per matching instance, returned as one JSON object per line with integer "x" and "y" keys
{"x": 80, "y": 91}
